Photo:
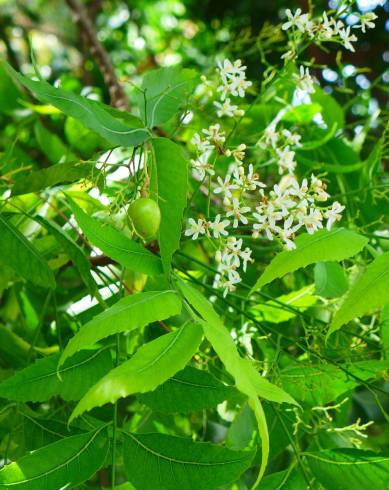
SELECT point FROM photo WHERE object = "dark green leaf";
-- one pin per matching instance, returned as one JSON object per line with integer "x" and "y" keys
{"x": 188, "y": 391}
{"x": 63, "y": 464}
{"x": 171, "y": 463}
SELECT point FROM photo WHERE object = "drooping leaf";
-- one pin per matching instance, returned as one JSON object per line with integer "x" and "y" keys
{"x": 73, "y": 251}
{"x": 242, "y": 428}
{"x": 42, "y": 380}
{"x": 350, "y": 469}
{"x": 153, "y": 364}
{"x": 165, "y": 91}
{"x": 334, "y": 245}
{"x": 18, "y": 253}
{"x": 63, "y": 464}
{"x": 247, "y": 379}
{"x": 92, "y": 114}
{"x": 61, "y": 173}
{"x": 174, "y": 462}
{"x": 129, "y": 313}
{"x": 330, "y": 279}
{"x": 370, "y": 291}
{"x": 13, "y": 349}
{"x": 172, "y": 177}
{"x": 188, "y": 391}
{"x": 116, "y": 245}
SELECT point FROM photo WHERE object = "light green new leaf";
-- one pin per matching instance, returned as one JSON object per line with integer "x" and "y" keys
{"x": 42, "y": 380}
{"x": 247, "y": 379}
{"x": 334, "y": 245}
{"x": 350, "y": 469}
{"x": 129, "y": 313}
{"x": 73, "y": 251}
{"x": 18, "y": 253}
{"x": 166, "y": 462}
{"x": 63, "y": 464}
{"x": 116, "y": 245}
{"x": 172, "y": 177}
{"x": 153, "y": 364}
{"x": 92, "y": 114}
{"x": 60, "y": 173}
{"x": 370, "y": 291}
{"x": 188, "y": 391}
{"x": 165, "y": 91}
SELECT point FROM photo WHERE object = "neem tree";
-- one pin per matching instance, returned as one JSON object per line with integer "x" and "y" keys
{"x": 162, "y": 324}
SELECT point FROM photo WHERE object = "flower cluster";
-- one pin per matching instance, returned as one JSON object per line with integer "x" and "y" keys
{"x": 325, "y": 28}
{"x": 244, "y": 203}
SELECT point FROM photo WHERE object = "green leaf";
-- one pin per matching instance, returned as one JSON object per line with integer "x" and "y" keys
{"x": 330, "y": 279}
{"x": 57, "y": 174}
{"x": 52, "y": 145}
{"x": 188, "y": 391}
{"x": 71, "y": 248}
{"x": 323, "y": 383}
{"x": 273, "y": 312}
{"x": 116, "y": 245}
{"x": 129, "y": 313}
{"x": 370, "y": 291}
{"x": 166, "y": 462}
{"x": 18, "y": 253}
{"x": 290, "y": 479}
{"x": 42, "y": 380}
{"x": 172, "y": 177}
{"x": 350, "y": 469}
{"x": 331, "y": 111}
{"x": 334, "y": 245}
{"x": 153, "y": 364}
{"x": 247, "y": 379}
{"x": 63, "y": 464}
{"x": 92, "y": 114}
{"x": 165, "y": 91}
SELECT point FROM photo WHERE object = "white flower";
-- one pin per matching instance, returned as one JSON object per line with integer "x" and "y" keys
{"x": 304, "y": 81}
{"x": 201, "y": 145}
{"x": 286, "y": 234}
{"x": 230, "y": 70}
{"x": 238, "y": 212}
{"x": 280, "y": 199}
{"x": 227, "y": 109}
{"x": 366, "y": 21}
{"x": 327, "y": 30}
{"x": 239, "y": 87}
{"x": 201, "y": 166}
{"x": 218, "y": 227}
{"x": 333, "y": 214}
{"x": 215, "y": 134}
{"x": 347, "y": 38}
{"x": 225, "y": 187}
{"x": 299, "y": 20}
{"x": 233, "y": 78}
{"x": 318, "y": 188}
{"x": 271, "y": 135}
{"x": 291, "y": 138}
{"x": 245, "y": 255}
{"x": 285, "y": 160}
{"x": 313, "y": 221}
{"x": 299, "y": 191}
{"x": 195, "y": 229}
{"x": 263, "y": 225}
{"x": 238, "y": 153}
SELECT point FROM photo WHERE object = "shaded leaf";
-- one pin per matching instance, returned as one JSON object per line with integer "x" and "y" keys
{"x": 174, "y": 462}
{"x": 165, "y": 91}
{"x": 188, "y": 391}
{"x": 63, "y": 464}
{"x": 172, "y": 177}
{"x": 129, "y": 313}
{"x": 41, "y": 380}
{"x": 334, "y": 245}
{"x": 117, "y": 245}
{"x": 350, "y": 469}
{"x": 18, "y": 253}
{"x": 370, "y": 291}
{"x": 152, "y": 364}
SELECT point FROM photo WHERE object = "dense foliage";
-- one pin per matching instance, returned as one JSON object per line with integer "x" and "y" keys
{"x": 194, "y": 246}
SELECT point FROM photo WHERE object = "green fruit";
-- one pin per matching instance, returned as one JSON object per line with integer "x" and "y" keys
{"x": 145, "y": 216}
